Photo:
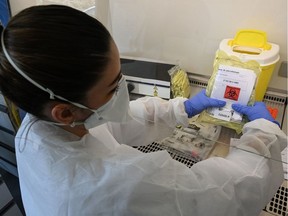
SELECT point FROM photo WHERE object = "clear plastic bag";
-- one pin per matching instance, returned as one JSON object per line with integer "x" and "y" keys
{"x": 196, "y": 140}
{"x": 233, "y": 81}
{"x": 180, "y": 85}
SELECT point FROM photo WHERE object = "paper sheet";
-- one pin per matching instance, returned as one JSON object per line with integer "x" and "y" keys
{"x": 233, "y": 85}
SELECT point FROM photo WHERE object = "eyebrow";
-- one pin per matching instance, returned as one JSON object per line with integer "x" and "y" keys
{"x": 116, "y": 79}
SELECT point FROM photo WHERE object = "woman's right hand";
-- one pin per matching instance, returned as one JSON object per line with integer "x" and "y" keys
{"x": 257, "y": 111}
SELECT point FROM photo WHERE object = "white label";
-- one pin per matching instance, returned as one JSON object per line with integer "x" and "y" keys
{"x": 233, "y": 85}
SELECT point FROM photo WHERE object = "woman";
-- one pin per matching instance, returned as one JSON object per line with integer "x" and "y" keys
{"x": 63, "y": 68}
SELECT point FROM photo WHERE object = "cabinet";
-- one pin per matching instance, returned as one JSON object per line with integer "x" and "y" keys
{"x": 7, "y": 205}
{"x": 7, "y": 145}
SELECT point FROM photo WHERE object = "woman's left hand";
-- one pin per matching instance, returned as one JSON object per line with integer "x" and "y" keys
{"x": 200, "y": 102}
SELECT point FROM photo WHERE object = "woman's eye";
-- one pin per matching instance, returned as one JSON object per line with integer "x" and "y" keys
{"x": 115, "y": 90}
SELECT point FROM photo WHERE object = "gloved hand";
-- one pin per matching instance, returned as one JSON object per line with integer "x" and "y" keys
{"x": 258, "y": 110}
{"x": 200, "y": 102}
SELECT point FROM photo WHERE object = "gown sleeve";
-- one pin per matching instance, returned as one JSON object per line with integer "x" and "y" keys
{"x": 153, "y": 119}
{"x": 97, "y": 176}
{"x": 240, "y": 184}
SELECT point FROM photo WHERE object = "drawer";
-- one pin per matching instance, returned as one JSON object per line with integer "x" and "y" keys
{"x": 5, "y": 120}
{"x": 13, "y": 211}
{"x": 7, "y": 155}
{"x": 7, "y": 138}
{"x": 146, "y": 88}
{"x": 12, "y": 169}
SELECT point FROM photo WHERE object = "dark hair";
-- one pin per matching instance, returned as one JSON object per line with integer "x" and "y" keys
{"x": 60, "y": 48}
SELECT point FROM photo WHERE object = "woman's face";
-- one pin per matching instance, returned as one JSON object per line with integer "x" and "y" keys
{"x": 103, "y": 91}
{"x": 96, "y": 97}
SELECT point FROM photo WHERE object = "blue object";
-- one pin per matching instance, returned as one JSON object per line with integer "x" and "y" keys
{"x": 200, "y": 102}
{"x": 257, "y": 111}
{"x": 4, "y": 12}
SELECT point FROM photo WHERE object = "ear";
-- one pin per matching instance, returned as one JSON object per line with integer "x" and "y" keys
{"x": 63, "y": 113}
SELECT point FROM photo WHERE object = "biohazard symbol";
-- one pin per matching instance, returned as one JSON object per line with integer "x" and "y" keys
{"x": 232, "y": 93}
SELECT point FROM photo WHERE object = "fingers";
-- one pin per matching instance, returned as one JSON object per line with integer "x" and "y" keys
{"x": 257, "y": 111}
{"x": 216, "y": 103}
{"x": 211, "y": 101}
{"x": 240, "y": 108}
{"x": 258, "y": 104}
{"x": 244, "y": 109}
{"x": 203, "y": 91}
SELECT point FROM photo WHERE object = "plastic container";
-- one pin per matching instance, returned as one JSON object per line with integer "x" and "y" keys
{"x": 252, "y": 45}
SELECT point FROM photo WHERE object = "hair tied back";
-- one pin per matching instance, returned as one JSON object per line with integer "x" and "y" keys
{"x": 1, "y": 32}
{"x": 1, "y": 28}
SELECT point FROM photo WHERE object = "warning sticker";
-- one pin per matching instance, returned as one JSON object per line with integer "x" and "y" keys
{"x": 232, "y": 93}
{"x": 232, "y": 84}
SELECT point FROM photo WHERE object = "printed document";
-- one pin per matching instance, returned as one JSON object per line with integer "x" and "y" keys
{"x": 233, "y": 85}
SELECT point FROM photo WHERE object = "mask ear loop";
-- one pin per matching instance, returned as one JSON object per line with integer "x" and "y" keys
{"x": 73, "y": 124}
{"x": 52, "y": 96}
{"x": 50, "y": 92}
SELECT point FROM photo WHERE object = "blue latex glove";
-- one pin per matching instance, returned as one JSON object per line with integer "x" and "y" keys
{"x": 257, "y": 111}
{"x": 200, "y": 102}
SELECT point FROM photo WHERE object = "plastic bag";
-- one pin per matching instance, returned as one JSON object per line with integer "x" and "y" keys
{"x": 180, "y": 85}
{"x": 196, "y": 140}
{"x": 233, "y": 81}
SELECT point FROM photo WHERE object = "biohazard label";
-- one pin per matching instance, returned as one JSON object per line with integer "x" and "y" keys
{"x": 233, "y": 85}
{"x": 232, "y": 93}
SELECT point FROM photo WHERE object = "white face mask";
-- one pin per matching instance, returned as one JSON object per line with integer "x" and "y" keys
{"x": 115, "y": 110}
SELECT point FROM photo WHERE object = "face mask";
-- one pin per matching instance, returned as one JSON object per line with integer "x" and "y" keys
{"x": 115, "y": 110}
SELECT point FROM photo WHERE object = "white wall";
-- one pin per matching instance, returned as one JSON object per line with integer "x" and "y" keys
{"x": 17, "y": 5}
{"x": 189, "y": 31}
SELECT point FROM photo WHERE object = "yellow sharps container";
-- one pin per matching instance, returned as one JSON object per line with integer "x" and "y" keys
{"x": 252, "y": 45}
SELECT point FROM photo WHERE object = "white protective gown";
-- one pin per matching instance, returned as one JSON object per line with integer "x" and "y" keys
{"x": 62, "y": 174}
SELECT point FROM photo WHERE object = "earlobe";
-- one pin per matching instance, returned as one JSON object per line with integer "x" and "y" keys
{"x": 62, "y": 113}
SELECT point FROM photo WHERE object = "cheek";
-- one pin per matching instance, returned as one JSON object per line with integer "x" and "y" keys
{"x": 83, "y": 114}
{"x": 107, "y": 98}
{"x": 99, "y": 100}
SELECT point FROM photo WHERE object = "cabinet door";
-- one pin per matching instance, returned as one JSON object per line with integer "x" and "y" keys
{"x": 5, "y": 119}
{"x": 8, "y": 206}
{"x": 7, "y": 138}
{"x": 5, "y": 197}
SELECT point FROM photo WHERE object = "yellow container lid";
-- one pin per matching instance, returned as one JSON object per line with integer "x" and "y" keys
{"x": 251, "y": 45}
